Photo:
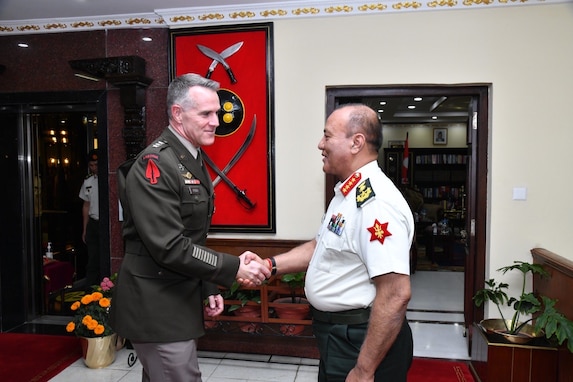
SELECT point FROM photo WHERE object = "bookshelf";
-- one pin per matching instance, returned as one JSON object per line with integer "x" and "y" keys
{"x": 438, "y": 174}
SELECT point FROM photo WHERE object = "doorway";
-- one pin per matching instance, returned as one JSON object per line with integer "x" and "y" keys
{"x": 474, "y": 115}
{"x": 48, "y": 137}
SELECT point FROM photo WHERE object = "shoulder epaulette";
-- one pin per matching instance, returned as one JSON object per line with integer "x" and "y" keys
{"x": 160, "y": 144}
{"x": 364, "y": 193}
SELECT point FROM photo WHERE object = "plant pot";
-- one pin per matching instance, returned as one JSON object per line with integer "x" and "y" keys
{"x": 297, "y": 310}
{"x": 99, "y": 352}
{"x": 247, "y": 311}
{"x": 497, "y": 327}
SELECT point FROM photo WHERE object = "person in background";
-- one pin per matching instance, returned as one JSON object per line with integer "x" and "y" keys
{"x": 357, "y": 279}
{"x": 90, "y": 219}
{"x": 167, "y": 272}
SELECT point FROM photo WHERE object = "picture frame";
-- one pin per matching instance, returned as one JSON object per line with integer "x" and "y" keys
{"x": 244, "y": 144}
{"x": 440, "y": 136}
{"x": 396, "y": 144}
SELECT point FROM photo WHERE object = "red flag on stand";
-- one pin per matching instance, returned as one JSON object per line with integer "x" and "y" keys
{"x": 405, "y": 161}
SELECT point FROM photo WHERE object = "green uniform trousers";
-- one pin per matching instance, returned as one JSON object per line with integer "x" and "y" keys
{"x": 339, "y": 345}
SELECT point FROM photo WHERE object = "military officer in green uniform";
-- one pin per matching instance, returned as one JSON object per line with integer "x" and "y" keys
{"x": 167, "y": 272}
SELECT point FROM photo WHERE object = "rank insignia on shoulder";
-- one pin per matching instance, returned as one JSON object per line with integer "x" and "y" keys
{"x": 379, "y": 231}
{"x": 158, "y": 143}
{"x": 364, "y": 193}
{"x": 350, "y": 183}
{"x": 336, "y": 224}
{"x": 152, "y": 171}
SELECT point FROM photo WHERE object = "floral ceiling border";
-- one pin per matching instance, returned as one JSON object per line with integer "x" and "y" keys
{"x": 243, "y": 13}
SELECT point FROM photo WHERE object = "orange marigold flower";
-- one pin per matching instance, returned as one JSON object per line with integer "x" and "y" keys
{"x": 75, "y": 305}
{"x": 70, "y": 327}
{"x": 99, "y": 329}
{"x": 92, "y": 324}
{"x": 87, "y": 299}
{"x": 87, "y": 319}
{"x": 104, "y": 302}
{"x": 96, "y": 296}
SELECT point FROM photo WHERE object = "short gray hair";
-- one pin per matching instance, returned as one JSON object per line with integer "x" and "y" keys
{"x": 178, "y": 91}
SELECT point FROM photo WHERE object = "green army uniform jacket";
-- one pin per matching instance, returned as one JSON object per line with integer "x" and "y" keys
{"x": 167, "y": 199}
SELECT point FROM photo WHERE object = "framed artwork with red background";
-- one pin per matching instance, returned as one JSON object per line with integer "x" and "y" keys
{"x": 241, "y": 161}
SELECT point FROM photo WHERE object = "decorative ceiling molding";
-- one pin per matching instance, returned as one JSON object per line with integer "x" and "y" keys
{"x": 246, "y": 13}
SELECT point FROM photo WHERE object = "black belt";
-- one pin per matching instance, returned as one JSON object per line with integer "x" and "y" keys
{"x": 346, "y": 317}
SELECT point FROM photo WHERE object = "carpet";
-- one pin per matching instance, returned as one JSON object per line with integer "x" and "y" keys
{"x": 424, "y": 369}
{"x": 36, "y": 357}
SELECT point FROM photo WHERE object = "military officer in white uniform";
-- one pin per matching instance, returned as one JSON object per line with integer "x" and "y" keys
{"x": 90, "y": 219}
{"x": 357, "y": 280}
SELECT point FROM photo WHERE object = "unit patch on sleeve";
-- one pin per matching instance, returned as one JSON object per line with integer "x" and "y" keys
{"x": 364, "y": 193}
{"x": 379, "y": 231}
{"x": 152, "y": 171}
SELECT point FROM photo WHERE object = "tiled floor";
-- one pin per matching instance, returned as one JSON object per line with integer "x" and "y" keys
{"x": 435, "y": 314}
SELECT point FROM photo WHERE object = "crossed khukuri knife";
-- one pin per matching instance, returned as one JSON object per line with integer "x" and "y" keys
{"x": 222, "y": 174}
{"x": 220, "y": 58}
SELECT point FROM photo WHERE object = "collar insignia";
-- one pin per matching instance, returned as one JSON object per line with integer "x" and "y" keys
{"x": 379, "y": 231}
{"x": 364, "y": 193}
{"x": 350, "y": 183}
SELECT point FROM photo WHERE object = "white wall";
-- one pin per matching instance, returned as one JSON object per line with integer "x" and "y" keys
{"x": 526, "y": 53}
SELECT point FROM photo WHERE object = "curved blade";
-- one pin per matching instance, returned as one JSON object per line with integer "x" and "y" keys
{"x": 228, "y": 52}
{"x": 239, "y": 152}
{"x": 216, "y": 56}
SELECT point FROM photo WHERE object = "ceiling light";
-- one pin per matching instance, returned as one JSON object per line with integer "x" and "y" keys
{"x": 23, "y": 45}
{"x": 86, "y": 77}
{"x": 382, "y": 102}
{"x": 147, "y": 39}
{"x": 380, "y": 110}
{"x": 417, "y": 99}
{"x": 411, "y": 107}
{"x": 434, "y": 117}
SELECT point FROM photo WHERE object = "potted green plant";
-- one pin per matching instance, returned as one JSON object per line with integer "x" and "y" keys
{"x": 293, "y": 307}
{"x": 548, "y": 321}
{"x": 295, "y": 282}
{"x": 243, "y": 308}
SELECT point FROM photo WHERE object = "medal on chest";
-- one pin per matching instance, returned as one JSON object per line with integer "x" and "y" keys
{"x": 336, "y": 224}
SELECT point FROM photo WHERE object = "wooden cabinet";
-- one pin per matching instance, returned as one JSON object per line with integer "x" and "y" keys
{"x": 494, "y": 361}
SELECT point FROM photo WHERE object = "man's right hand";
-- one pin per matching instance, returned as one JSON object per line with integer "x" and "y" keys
{"x": 253, "y": 270}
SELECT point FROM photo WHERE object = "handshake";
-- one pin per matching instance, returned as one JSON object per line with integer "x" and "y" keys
{"x": 253, "y": 270}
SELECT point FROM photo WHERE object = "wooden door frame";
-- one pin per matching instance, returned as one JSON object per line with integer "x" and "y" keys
{"x": 478, "y": 168}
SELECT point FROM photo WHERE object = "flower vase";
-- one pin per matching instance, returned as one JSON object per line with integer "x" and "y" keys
{"x": 99, "y": 352}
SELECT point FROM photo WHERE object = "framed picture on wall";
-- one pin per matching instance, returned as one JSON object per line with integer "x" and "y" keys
{"x": 441, "y": 136}
{"x": 396, "y": 144}
{"x": 241, "y": 161}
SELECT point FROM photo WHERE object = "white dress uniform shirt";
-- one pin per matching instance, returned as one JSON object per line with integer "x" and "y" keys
{"x": 89, "y": 193}
{"x": 367, "y": 231}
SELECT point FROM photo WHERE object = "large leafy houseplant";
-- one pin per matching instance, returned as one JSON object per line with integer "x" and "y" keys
{"x": 547, "y": 319}
{"x": 91, "y": 317}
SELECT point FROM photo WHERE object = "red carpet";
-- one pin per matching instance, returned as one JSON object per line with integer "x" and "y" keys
{"x": 424, "y": 369}
{"x": 35, "y": 357}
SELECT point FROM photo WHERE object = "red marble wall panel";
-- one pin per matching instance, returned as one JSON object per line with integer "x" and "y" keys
{"x": 44, "y": 67}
